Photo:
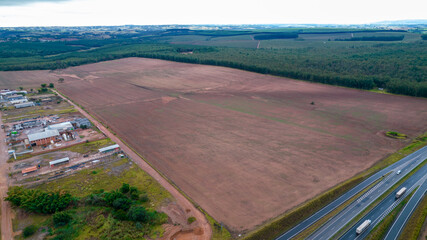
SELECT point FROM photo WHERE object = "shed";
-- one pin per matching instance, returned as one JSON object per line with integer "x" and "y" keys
{"x": 24, "y": 105}
{"x": 59, "y": 161}
{"x": 109, "y": 148}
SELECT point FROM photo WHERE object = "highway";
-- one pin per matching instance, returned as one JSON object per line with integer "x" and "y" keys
{"x": 420, "y": 154}
{"x": 388, "y": 204}
{"x": 409, "y": 208}
{"x": 337, "y": 222}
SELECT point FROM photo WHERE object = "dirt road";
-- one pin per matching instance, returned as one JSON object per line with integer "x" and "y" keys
{"x": 202, "y": 231}
{"x": 6, "y": 211}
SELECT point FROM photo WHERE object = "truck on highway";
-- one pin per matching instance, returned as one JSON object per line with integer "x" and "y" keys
{"x": 363, "y": 226}
{"x": 400, "y": 192}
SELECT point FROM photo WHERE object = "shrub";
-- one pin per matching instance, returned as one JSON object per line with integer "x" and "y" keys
{"x": 140, "y": 214}
{"x": 120, "y": 214}
{"x": 190, "y": 220}
{"x": 122, "y": 203}
{"x": 61, "y": 218}
{"x": 125, "y": 188}
{"x": 28, "y": 231}
{"x": 51, "y": 85}
{"x": 95, "y": 200}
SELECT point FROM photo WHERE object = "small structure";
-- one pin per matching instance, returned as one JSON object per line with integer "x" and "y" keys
{"x": 24, "y": 105}
{"x": 59, "y": 161}
{"x": 111, "y": 148}
{"x": 29, "y": 170}
{"x": 61, "y": 127}
{"x": 43, "y": 138}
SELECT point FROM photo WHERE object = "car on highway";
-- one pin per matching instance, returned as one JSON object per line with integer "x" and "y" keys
{"x": 398, "y": 172}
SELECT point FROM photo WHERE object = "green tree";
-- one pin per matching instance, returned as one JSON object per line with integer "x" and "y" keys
{"x": 43, "y": 85}
{"x": 125, "y": 188}
{"x": 29, "y": 230}
{"x": 140, "y": 214}
{"x": 51, "y": 85}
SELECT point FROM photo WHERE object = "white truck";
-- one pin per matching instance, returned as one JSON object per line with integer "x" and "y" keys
{"x": 400, "y": 192}
{"x": 363, "y": 227}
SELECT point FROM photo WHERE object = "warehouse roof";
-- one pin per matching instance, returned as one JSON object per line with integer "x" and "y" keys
{"x": 112, "y": 147}
{"x": 61, "y": 126}
{"x": 26, "y": 104}
{"x": 59, "y": 161}
{"x": 41, "y": 135}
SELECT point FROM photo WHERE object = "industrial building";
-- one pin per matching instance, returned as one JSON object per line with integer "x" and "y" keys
{"x": 14, "y": 97}
{"x": 61, "y": 127}
{"x": 13, "y": 102}
{"x": 29, "y": 124}
{"x": 43, "y": 138}
{"x": 24, "y": 105}
{"x": 5, "y": 93}
{"x": 111, "y": 148}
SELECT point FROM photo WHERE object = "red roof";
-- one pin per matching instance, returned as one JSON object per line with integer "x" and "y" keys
{"x": 30, "y": 169}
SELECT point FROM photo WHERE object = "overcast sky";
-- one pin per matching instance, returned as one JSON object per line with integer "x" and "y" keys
{"x": 141, "y": 12}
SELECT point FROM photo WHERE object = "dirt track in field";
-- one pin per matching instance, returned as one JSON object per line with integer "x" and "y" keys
{"x": 246, "y": 147}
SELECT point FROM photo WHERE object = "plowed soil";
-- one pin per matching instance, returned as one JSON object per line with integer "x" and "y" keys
{"x": 245, "y": 146}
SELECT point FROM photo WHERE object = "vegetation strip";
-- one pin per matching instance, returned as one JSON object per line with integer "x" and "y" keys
{"x": 318, "y": 64}
{"x": 414, "y": 226}
{"x": 288, "y": 220}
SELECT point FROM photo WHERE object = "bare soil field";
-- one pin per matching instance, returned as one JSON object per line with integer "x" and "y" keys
{"x": 29, "y": 79}
{"x": 245, "y": 146}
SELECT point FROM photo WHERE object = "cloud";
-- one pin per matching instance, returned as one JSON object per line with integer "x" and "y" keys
{"x": 25, "y": 2}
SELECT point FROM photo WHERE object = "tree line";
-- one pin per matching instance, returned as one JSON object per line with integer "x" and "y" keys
{"x": 397, "y": 67}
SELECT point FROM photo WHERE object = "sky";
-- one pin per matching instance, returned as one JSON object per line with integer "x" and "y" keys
{"x": 14, "y": 13}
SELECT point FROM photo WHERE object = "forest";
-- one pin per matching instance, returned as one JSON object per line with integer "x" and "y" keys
{"x": 395, "y": 65}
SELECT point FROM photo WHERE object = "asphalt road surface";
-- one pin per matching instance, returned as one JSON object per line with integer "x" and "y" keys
{"x": 337, "y": 222}
{"x": 421, "y": 153}
{"x": 403, "y": 217}
{"x": 388, "y": 204}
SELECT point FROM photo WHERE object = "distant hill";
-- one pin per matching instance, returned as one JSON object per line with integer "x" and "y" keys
{"x": 403, "y": 22}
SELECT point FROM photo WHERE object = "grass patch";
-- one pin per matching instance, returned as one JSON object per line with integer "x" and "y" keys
{"x": 218, "y": 232}
{"x": 89, "y": 147}
{"x": 291, "y": 218}
{"x": 397, "y": 135}
{"x": 380, "y": 231}
{"x": 413, "y": 227}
